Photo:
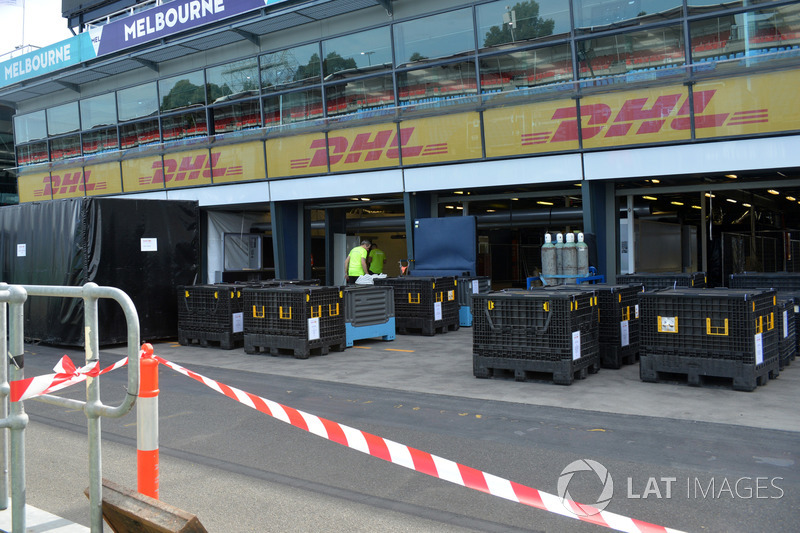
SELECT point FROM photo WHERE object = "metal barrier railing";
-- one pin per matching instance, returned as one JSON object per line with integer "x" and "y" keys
{"x": 15, "y": 419}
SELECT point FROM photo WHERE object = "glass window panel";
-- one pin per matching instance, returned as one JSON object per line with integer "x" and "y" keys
{"x": 293, "y": 107}
{"x": 367, "y": 51}
{"x": 295, "y": 66}
{"x": 137, "y": 102}
{"x": 63, "y": 119}
{"x": 98, "y": 111}
{"x": 705, "y": 6}
{"x": 99, "y": 141}
{"x": 360, "y": 95}
{"x": 238, "y": 79}
{"x": 30, "y": 127}
{"x": 527, "y": 68}
{"x": 437, "y": 83}
{"x": 502, "y": 23}
{"x": 444, "y": 35}
{"x": 31, "y": 154}
{"x": 65, "y": 147}
{"x": 236, "y": 117}
{"x": 601, "y": 15}
{"x": 184, "y": 126}
{"x": 183, "y": 91}
{"x": 651, "y": 50}
{"x": 772, "y": 34}
{"x": 139, "y": 134}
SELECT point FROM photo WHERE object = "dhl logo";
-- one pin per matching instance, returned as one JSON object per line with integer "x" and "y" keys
{"x": 650, "y": 120}
{"x": 366, "y": 147}
{"x": 69, "y": 183}
{"x": 188, "y": 169}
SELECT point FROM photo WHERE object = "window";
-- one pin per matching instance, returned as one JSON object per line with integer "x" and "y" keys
{"x": 65, "y": 147}
{"x": 33, "y": 153}
{"x": 180, "y": 92}
{"x": 98, "y": 111}
{"x": 702, "y": 6}
{"x": 236, "y": 117}
{"x": 139, "y": 134}
{"x": 367, "y": 51}
{"x": 63, "y": 119}
{"x": 99, "y": 141}
{"x": 293, "y": 107}
{"x": 137, "y": 102}
{"x": 30, "y": 127}
{"x": 292, "y": 67}
{"x": 436, "y": 83}
{"x": 502, "y": 22}
{"x": 360, "y": 95}
{"x": 439, "y": 36}
{"x": 601, "y": 15}
{"x": 527, "y": 68}
{"x": 184, "y": 126}
{"x": 237, "y": 79}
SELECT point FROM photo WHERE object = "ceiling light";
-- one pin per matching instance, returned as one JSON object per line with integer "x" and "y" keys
{"x": 790, "y": 198}
{"x": 579, "y": 184}
{"x": 731, "y": 176}
{"x": 655, "y": 181}
{"x": 449, "y": 207}
{"x": 696, "y": 207}
{"x": 515, "y": 198}
{"x": 731, "y": 200}
{"x": 365, "y": 199}
{"x": 676, "y": 203}
{"x": 458, "y": 192}
{"x": 459, "y": 207}
{"x": 781, "y": 174}
{"x": 709, "y": 195}
{"x": 746, "y": 205}
{"x": 542, "y": 202}
{"x": 490, "y": 210}
{"x": 773, "y": 191}
{"x": 649, "y": 197}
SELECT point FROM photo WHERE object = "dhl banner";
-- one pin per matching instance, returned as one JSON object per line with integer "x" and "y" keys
{"x": 238, "y": 162}
{"x": 530, "y": 129}
{"x": 67, "y": 183}
{"x": 292, "y": 156}
{"x": 104, "y": 178}
{"x": 360, "y": 148}
{"x": 440, "y": 139}
{"x": 137, "y": 174}
{"x": 34, "y": 187}
{"x": 748, "y": 105}
{"x": 185, "y": 169}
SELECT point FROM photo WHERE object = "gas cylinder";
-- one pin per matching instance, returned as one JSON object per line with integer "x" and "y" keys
{"x": 583, "y": 256}
{"x": 559, "y": 259}
{"x": 549, "y": 265}
{"x": 570, "y": 259}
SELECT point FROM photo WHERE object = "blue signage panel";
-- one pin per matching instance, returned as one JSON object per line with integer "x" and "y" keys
{"x": 48, "y": 59}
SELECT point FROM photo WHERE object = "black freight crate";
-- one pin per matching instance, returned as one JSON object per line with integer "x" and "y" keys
{"x": 466, "y": 287}
{"x": 618, "y": 321}
{"x": 788, "y": 330}
{"x": 368, "y": 312}
{"x": 782, "y": 281}
{"x": 663, "y": 280}
{"x": 724, "y": 333}
{"x": 211, "y": 315}
{"x": 549, "y": 331}
{"x": 294, "y": 318}
{"x": 428, "y": 305}
{"x": 795, "y": 296}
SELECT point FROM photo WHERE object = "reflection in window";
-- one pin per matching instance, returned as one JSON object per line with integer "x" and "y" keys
{"x": 137, "y": 102}
{"x": 182, "y": 91}
{"x": 63, "y": 119}
{"x": 436, "y": 83}
{"x": 444, "y": 35}
{"x": 527, "y": 68}
{"x": 501, "y": 22}
{"x": 99, "y": 141}
{"x": 33, "y": 153}
{"x": 600, "y": 15}
{"x": 184, "y": 126}
{"x": 362, "y": 52}
{"x": 65, "y": 147}
{"x": 652, "y": 50}
{"x": 138, "y": 134}
{"x": 236, "y": 117}
{"x": 295, "y": 66}
{"x": 702, "y": 6}
{"x": 360, "y": 95}
{"x": 293, "y": 107}
{"x": 30, "y": 127}
{"x": 237, "y": 79}
{"x": 98, "y": 111}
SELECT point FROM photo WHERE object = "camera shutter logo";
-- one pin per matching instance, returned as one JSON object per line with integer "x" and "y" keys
{"x": 585, "y": 465}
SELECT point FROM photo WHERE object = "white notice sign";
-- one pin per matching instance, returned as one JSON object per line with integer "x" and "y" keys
{"x": 624, "y": 333}
{"x": 759, "y": 349}
{"x": 22, "y": 250}
{"x": 576, "y": 345}
{"x": 238, "y": 322}
{"x": 785, "y": 324}
{"x": 475, "y": 287}
{"x": 149, "y": 244}
{"x": 437, "y": 311}
{"x": 313, "y": 329}
{"x": 636, "y": 308}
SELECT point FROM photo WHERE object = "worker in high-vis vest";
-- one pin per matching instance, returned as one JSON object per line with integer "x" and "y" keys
{"x": 356, "y": 263}
{"x": 376, "y": 259}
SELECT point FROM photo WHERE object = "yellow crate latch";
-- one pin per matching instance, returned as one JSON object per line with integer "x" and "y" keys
{"x": 716, "y": 330}
{"x": 285, "y": 316}
{"x": 255, "y": 313}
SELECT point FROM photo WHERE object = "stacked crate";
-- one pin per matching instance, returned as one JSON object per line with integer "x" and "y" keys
{"x": 795, "y": 297}
{"x": 423, "y": 304}
{"x": 663, "y": 280}
{"x": 788, "y": 329}
{"x": 781, "y": 281}
{"x": 368, "y": 312}
{"x": 467, "y": 286}
{"x": 295, "y": 318}
{"x": 210, "y": 314}
{"x": 701, "y": 333}
{"x": 547, "y": 331}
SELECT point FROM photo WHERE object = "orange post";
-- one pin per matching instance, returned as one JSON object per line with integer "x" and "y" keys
{"x": 147, "y": 424}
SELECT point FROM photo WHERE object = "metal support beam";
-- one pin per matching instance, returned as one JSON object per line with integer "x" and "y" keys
{"x": 152, "y": 65}
{"x": 71, "y": 86}
{"x": 387, "y": 5}
{"x": 252, "y": 37}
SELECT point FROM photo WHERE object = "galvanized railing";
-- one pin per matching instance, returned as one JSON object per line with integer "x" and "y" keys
{"x": 15, "y": 418}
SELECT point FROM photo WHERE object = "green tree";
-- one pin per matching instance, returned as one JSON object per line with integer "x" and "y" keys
{"x": 183, "y": 94}
{"x": 528, "y": 25}
{"x": 335, "y": 63}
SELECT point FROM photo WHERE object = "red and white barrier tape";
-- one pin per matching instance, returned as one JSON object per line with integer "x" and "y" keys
{"x": 66, "y": 374}
{"x": 424, "y": 462}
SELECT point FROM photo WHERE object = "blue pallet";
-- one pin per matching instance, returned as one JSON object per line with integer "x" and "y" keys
{"x": 465, "y": 316}
{"x": 385, "y": 331}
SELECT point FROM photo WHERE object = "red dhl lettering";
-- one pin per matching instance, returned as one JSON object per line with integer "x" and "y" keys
{"x": 188, "y": 169}
{"x": 70, "y": 183}
{"x": 369, "y": 146}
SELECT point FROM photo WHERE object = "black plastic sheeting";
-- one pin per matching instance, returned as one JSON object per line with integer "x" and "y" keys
{"x": 445, "y": 246}
{"x": 80, "y": 240}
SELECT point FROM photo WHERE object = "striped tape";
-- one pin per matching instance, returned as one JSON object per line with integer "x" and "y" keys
{"x": 66, "y": 374}
{"x": 424, "y": 462}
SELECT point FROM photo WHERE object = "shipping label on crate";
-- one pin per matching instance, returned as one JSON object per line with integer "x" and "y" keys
{"x": 437, "y": 311}
{"x": 451, "y": 295}
{"x": 668, "y": 324}
{"x": 759, "y": 348}
{"x": 637, "y": 310}
{"x": 576, "y": 345}
{"x": 313, "y": 329}
{"x": 624, "y": 333}
{"x": 475, "y": 287}
{"x": 238, "y": 322}
{"x": 785, "y": 323}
